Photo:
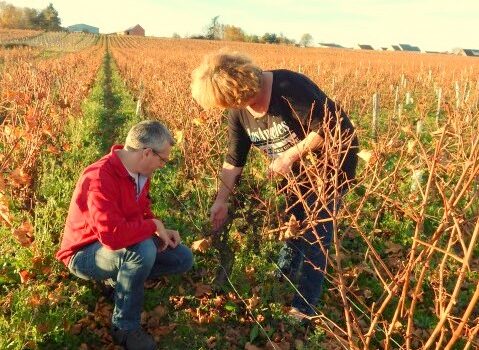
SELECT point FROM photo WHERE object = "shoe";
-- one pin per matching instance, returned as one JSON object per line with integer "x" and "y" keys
{"x": 136, "y": 339}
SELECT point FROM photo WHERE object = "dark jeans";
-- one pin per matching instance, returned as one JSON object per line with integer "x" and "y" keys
{"x": 305, "y": 255}
{"x": 127, "y": 269}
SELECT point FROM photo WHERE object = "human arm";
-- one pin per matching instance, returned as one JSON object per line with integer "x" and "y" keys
{"x": 111, "y": 226}
{"x": 228, "y": 178}
{"x": 282, "y": 164}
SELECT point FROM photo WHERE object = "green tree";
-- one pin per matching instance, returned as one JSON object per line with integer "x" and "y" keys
{"x": 285, "y": 40}
{"x": 270, "y": 38}
{"x": 306, "y": 40}
{"x": 214, "y": 30}
{"x": 48, "y": 18}
{"x": 252, "y": 38}
{"x": 233, "y": 33}
{"x": 31, "y": 18}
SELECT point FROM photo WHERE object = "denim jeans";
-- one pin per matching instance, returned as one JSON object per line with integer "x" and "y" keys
{"x": 306, "y": 256}
{"x": 127, "y": 269}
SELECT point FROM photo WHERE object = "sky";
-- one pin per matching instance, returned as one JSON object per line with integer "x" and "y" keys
{"x": 438, "y": 25}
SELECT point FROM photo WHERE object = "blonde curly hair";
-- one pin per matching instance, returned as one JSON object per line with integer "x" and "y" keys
{"x": 228, "y": 80}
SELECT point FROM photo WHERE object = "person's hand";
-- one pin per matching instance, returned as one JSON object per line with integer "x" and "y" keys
{"x": 162, "y": 233}
{"x": 174, "y": 237}
{"x": 280, "y": 165}
{"x": 218, "y": 214}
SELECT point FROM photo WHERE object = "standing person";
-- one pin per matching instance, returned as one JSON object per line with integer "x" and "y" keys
{"x": 286, "y": 115}
{"x": 111, "y": 233}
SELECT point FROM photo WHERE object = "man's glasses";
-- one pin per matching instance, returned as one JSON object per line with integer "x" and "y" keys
{"x": 164, "y": 160}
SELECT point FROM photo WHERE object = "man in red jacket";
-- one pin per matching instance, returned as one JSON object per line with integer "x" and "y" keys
{"x": 111, "y": 233}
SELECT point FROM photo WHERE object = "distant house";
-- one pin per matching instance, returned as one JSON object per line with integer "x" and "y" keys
{"x": 136, "y": 30}
{"x": 330, "y": 45}
{"x": 410, "y": 48}
{"x": 394, "y": 48}
{"x": 363, "y": 47}
{"x": 83, "y": 28}
{"x": 467, "y": 52}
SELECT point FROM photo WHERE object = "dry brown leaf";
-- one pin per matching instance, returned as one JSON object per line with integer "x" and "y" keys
{"x": 160, "y": 311}
{"x": 250, "y": 272}
{"x": 365, "y": 155}
{"x": 52, "y": 149}
{"x": 202, "y": 289}
{"x": 393, "y": 248}
{"x": 252, "y": 302}
{"x": 201, "y": 245}
{"x": 76, "y": 329}
{"x": 249, "y": 346}
{"x": 293, "y": 228}
{"x": 5, "y": 210}
{"x": 278, "y": 346}
{"x": 211, "y": 342}
{"x": 35, "y": 300}
{"x": 163, "y": 330}
{"x": 24, "y": 234}
{"x": 25, "y": 276}
{"x": 20, "y": 178}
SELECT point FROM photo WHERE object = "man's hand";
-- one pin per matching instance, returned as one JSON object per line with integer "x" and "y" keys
{"x": 162, "y": 233}
{"x": 218, "y": 214}
{"x": 280, "y": 166}
{"x": 174, "y": 237}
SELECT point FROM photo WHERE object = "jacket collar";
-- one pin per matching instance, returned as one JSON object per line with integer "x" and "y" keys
{"x": 116, "y": 163}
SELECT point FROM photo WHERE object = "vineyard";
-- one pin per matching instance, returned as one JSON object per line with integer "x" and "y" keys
{"x": 403, "y": 268}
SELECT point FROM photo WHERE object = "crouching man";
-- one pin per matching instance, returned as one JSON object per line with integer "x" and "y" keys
{"x": 112, "y": 235}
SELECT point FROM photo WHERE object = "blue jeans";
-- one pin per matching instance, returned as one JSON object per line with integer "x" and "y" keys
{"x": 306, "y": 255}
{"x": 127, "y": 269}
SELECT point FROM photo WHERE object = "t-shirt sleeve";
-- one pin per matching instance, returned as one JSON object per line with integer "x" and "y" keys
{"x": 239, "y": 142}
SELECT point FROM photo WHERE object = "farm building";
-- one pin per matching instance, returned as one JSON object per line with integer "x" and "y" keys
{"x": 330, "y": 45}
{"x": 363, "y": 47}
{"x": 394, "y": 48}
{"x": 136, "y": 30}
{"x": 467, "y": 52}
{"x": 410, "y": 48}
{"x": 83, "y": 28}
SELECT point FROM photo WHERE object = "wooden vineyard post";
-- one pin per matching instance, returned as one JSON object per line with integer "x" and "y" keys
{"x": 375, "y": 121}
{"x": 438, "y": 111}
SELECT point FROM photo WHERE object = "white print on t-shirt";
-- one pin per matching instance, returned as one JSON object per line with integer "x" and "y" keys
{"x": 274, "y": 140}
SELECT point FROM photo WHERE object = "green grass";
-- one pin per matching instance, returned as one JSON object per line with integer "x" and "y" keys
{"x": 41, "y": 311}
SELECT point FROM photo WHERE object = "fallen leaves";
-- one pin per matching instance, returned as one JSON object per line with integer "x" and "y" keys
{"x": 5, "y": 210}
{"x": 291, "y": 229}
{"x": 201, "y": 245}
{"x": 25, "y": 276}
{"x": 24, "y": 234}
{"x": 365, "y": 155}
{"x": 202, "y": 289}
{"x": 20, "y": 178}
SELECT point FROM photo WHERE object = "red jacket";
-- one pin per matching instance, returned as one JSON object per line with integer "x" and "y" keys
{"x": 104, "y": 208}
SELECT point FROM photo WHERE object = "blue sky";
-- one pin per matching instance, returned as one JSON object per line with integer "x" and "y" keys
{"x": 429, "y": 24}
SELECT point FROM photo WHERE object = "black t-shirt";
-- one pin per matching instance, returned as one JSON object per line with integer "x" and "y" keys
{"x": 296, "y": 108}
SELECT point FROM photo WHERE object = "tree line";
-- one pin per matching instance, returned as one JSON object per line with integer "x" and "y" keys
{"x": 218, "y": 31}
{"x": 12, "y": 17}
